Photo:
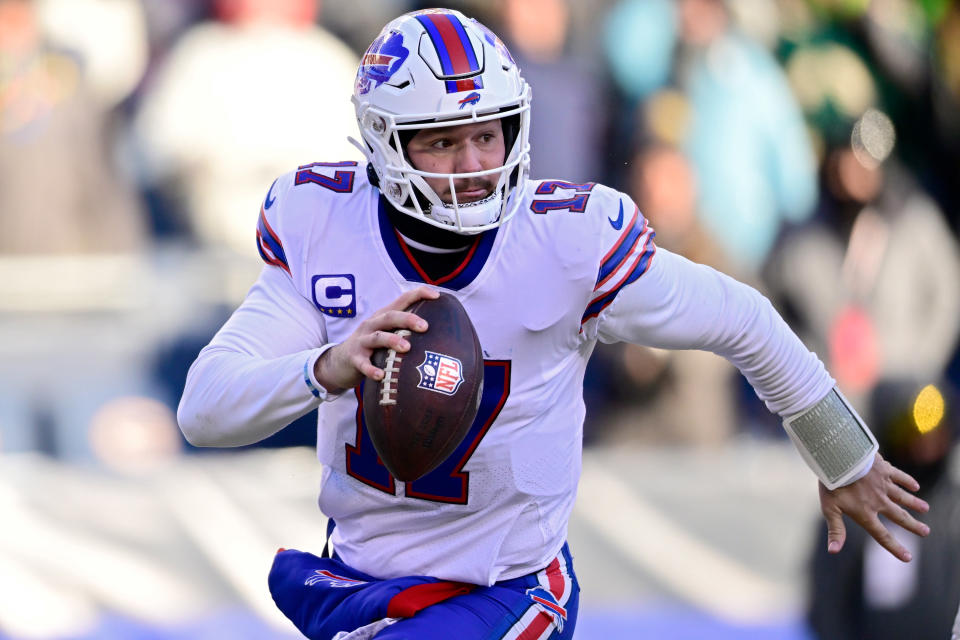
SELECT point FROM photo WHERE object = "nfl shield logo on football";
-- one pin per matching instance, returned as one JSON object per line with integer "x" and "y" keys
{"x": 440, "y": 373}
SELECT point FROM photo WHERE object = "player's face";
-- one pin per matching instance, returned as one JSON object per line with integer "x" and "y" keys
{"x": 461, "y": 149}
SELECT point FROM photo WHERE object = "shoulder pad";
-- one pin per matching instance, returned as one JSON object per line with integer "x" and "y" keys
{"x": 294, "y": 201}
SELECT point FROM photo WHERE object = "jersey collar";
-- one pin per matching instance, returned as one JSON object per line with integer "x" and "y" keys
{"x": 405, "y": 262}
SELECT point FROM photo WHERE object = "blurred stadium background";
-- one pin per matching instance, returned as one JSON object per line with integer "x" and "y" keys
{"x": 808, "y": 147}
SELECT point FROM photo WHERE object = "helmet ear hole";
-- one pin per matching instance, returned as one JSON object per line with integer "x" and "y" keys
{"x": 372, "y": 176}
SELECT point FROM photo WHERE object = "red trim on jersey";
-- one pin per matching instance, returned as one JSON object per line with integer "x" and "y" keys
{"x": 267, "y": 254}
{"x": 273, "y": 258}
{"x": 423, "y": 274}
{"x": 623, "y": 236}
{"x": 620, "y": 284}
{"x": 413, "y": 599}
{"x": 625, "y": 257}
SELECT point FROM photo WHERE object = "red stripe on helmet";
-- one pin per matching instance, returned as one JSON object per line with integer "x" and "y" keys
{"x": 451, "y": 40}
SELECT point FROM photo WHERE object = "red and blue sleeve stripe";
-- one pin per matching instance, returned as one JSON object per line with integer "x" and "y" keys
{"x": 269, "y": 245}
{"x": 624, "y": 247}
{"x": 626, "y": 261}
{"x": 456, "y": 54}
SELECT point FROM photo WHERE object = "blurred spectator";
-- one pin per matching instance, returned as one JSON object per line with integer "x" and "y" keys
{"x": 946, "y": 108}
{"x": 664, "y": 186}
{"x": 110, "y": 38}
{"x": 60, "y": 192}
{"x": 754, "y": 162}
{"x": 948, "y": 48}
{"x": 746, "y": 138}
{"x": 238, "y": 102}
{"x": 167, "y": 20}
{"x": 724, "y": 161}
{"x": 639, "y": 40}
{"x": 863, "y": 592}
{"x": 872, "y": 285}
{"x": 676, "y": 397}
{"x": 63, "y": 202}
{"x": 567, "y": 110}
{"x": 358, "y": 22}
{"x": 893, "y": 310}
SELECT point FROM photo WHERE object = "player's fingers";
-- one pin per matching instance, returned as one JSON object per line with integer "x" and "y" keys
{"x": 908, "y": 500}
{"x": 903, "y": 518}
{"x": 381, "y": 339}
{"x": 407, "y": 298}
{"x": 886, "y": 540}
{"x": 395, "y": 319}
{"x": 904, "y": 479}
{"x": 364, "y": 366}
{"x": 836, "y": 531}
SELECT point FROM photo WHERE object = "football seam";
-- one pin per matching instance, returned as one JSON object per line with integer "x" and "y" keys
{"x": 388, "y": 388}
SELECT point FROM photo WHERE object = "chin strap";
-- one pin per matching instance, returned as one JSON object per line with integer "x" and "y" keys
{"x": 471, "y": 214}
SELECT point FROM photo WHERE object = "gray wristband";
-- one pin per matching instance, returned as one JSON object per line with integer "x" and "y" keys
{"x": 832, "y": 439}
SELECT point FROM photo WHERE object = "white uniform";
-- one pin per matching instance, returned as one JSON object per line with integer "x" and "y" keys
{"x": 577, "y": 264}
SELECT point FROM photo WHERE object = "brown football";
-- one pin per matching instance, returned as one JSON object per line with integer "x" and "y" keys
{"x": 424, "y": 406}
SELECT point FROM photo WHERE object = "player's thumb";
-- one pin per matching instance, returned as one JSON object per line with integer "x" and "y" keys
{"x": 836, "y": 531}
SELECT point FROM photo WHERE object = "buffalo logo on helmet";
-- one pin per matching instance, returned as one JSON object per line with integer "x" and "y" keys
{"x": 440, "y": 373}
{"x": 472, "y": 98}
{"x": 383, "y": 59}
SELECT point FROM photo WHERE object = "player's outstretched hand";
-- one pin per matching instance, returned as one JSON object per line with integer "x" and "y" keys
{"x": 345, "y": 365}
{"x": 884, "y": 490}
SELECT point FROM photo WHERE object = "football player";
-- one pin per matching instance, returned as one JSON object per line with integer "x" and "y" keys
{"x": 545, "y": 268}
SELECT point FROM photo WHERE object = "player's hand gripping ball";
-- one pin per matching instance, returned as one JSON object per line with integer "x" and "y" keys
{"x": 423, "y": 407}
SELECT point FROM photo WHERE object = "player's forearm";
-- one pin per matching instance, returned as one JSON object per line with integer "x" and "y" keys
{"x": 233, "y": 399}
{"x": 250, "y": 381}
{"x": 679, "y": 304}
{"x": 784, "y": 373}
{"x": 682, "y": 305}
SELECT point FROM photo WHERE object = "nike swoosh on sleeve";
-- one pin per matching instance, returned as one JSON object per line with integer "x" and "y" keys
{"x": 616, "y": 224}
{"x": 269, "y": 201}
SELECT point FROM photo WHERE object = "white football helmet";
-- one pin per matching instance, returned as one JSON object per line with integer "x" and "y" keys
{"x": 437, "y": 68}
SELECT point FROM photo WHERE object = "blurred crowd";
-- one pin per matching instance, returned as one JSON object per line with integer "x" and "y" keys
{"x": 810, "y": 148}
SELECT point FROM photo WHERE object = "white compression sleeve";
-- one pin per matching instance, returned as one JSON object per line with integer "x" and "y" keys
{"x": 679, "y": 304}
{"x": 256, "y": 375}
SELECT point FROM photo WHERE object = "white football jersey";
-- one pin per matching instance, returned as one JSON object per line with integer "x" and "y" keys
{"x": 577, "y": 264}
